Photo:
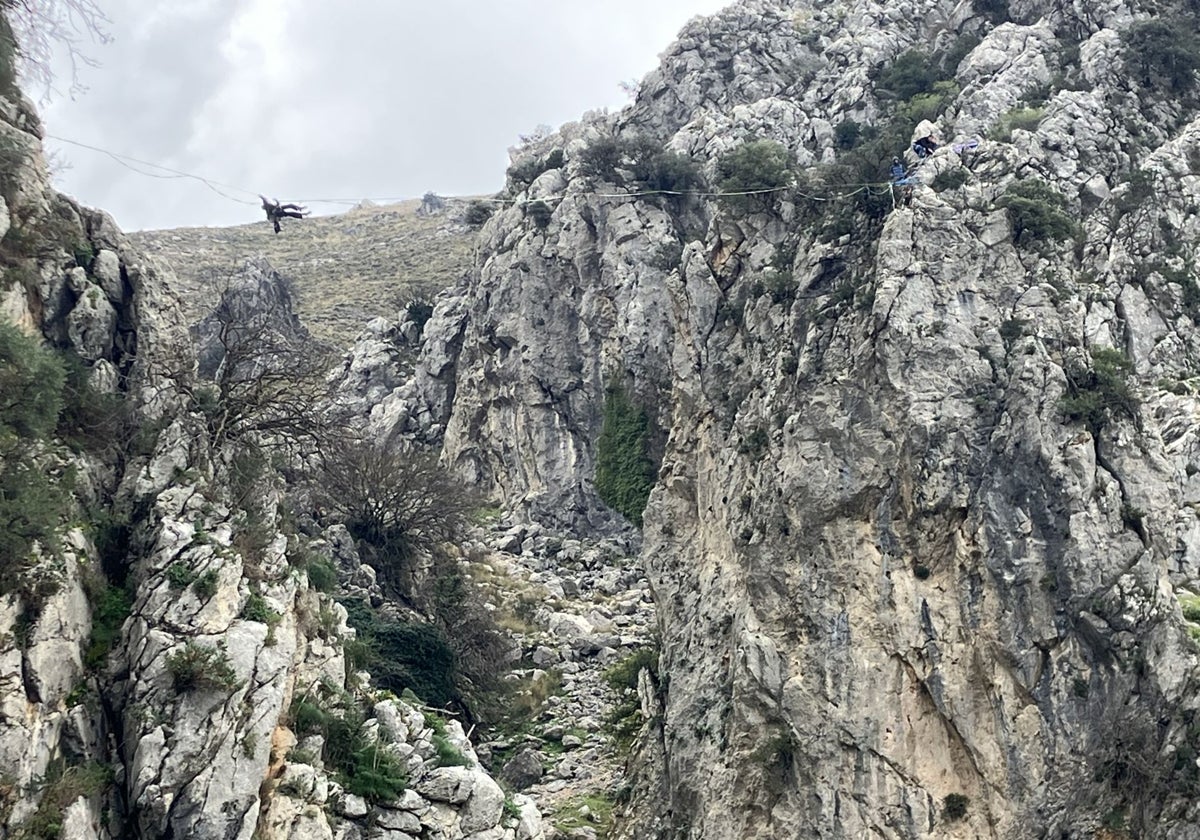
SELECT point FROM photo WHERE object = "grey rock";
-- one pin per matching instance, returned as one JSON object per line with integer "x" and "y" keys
{"x": 523, "y": 769}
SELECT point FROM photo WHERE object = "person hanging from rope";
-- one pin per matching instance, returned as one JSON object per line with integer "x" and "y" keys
{"x": 276, "y": 211}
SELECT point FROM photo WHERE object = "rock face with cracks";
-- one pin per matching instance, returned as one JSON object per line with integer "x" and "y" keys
{"x": 908, "y": 584}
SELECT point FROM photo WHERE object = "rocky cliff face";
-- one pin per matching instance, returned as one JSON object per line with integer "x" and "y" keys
{"x": 924, "y": 518}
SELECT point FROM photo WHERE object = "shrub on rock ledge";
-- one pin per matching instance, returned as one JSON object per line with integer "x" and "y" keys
{"x": 200, "y": 668}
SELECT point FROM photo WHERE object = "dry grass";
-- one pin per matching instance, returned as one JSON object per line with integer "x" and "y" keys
{"x": 347, "y": 268}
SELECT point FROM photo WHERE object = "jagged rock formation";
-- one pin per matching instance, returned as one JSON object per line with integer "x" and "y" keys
{"x": 908, "y": 584}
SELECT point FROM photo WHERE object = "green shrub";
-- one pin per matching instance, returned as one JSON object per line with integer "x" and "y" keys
{"x": 478, "y": 212}
{"x": 624, "y": 472}
{"x": 913, "y": 73}
{"x": 418, "y": 311}
{"x": 31, "y": 507}
{"x": 322, "y": 576}
{"x": 540, "y": 213}
{"x": 525, "y": 172}
{"x": 760, "y": 167}
{"x": 624, "y": 674}
{"x": 662, "y": 170}
{"x": 401, "y": 655}
{"x": 200, "y": 668}
{"x": 205, "y": 586}
{"x": 780, "y": 285}
{"x": 179, "y": 575}
{"x": 417, "y": 657}
{"x": 1037, "y": 213}
{"x": 755, "y": 443}
{"x": 954, "y": 806}
{"x": 847, "y": 134}
{"x": 996, "y": 11}
{"x": 1097, "y": 394}
{"x": 1025, "y": 119}
{"x": 62, "y": 784}
{"x": 110, "y": 607}
{"x": 91, "y": 420}
{"x": 1163, "y": 54}
{"x": 361, "y": 766}
{"x": 1190, "y": 607}
{"x": 256, "y": 609}
{"x": 602, "y": 159}
{"x": 31, "y": 386}
{"x": 449, "y": 755}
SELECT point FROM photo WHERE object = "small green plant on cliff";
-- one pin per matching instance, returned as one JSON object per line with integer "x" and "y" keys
{"x": 624, "y": 720}
{"x": 1100, "y": 393}
{"x": 1038, "y": 213}
{"x": 62, "y": 784}
{"x": 200, "y": 668}
{"x": 1023, "y": 119}
{"x": 362, "y": 765}
{"x": 111, "y": 605}
{"x": 954, "y": 806}
{"x": 624, "y": 472}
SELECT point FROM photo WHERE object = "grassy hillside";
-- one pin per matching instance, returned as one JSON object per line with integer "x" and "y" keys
{"x": 348, "y": 268}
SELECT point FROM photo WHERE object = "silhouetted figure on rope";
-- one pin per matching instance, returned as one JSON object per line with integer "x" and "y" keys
{"x": 276, "y": 211}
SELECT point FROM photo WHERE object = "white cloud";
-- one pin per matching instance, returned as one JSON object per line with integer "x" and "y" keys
{"x": 359, "y": 98}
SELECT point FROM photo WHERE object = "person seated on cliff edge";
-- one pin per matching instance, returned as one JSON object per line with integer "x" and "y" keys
{"x": 925, "y": 146}
{"x": 276, "y": 211}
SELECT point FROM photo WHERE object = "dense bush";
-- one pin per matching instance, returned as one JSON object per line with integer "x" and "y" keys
{"x": 200, "y": 668}
{"x": 526, "y": 171}
{"x": 914, "y": 72}
{"x": 405, "y": 655}
{"x": 603, "y": 158}
{"x": 624, "y": 719}
{"x": 1163, "y": 54}
{"x": 540, "y": 213}
{"x": 996, "y": 11}
{"x": 663, "y": 170}
{"x": 478, "y": 212}
{"x": 753, "y": 166}
{"x": 1100, "y": 393}
{"x": 32, "y": 501}
{"x": 110, "y": 607}
{"x": 31, "y": 386}
{"x": 418, "y": 311}
{"x": 1038, "y": 213}
{"x": 624, "y": 472}
{"x": 847, "y": 134}
{"x": 954, "y": 806}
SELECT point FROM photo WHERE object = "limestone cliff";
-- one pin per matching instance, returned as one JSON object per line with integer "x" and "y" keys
{"x": 924, "y": 516}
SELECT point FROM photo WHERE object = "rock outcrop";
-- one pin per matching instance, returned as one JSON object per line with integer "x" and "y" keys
{"x": 923, "y": 520}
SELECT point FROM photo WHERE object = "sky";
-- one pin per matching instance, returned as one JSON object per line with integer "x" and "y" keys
{"x": 350, "y": 99}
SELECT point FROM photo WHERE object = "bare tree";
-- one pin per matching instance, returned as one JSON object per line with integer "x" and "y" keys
{"x": 382, "y": 491}
{"x": 261, "y": 374}
{"x": 42, "y": 27}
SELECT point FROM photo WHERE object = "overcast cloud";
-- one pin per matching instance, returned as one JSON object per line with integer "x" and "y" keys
{"x": 309, "y": 99}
